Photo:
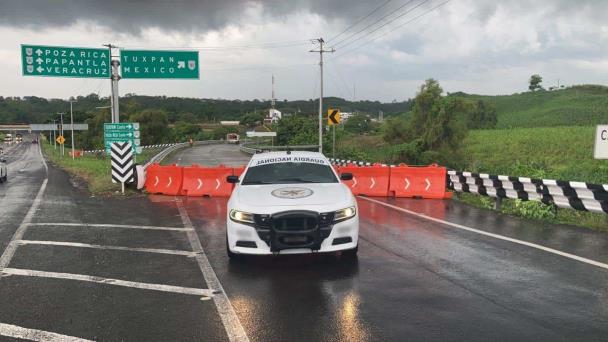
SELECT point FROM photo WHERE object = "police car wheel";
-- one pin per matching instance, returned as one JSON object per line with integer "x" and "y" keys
{"x": 350, "y": 253}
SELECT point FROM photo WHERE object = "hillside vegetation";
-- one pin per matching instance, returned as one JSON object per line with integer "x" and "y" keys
{"x": 583, "y": 105}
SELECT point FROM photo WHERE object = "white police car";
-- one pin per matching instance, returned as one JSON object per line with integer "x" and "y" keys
{"x": 291, "y": 203}
{"x": 3, "y": 171}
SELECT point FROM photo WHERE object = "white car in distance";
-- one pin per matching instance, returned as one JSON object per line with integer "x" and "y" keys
{"x": 291, "y": 203}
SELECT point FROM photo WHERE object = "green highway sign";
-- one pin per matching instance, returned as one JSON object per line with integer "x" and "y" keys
{"x": 59, "y": 61}
{"x": 121, "y": 132}
{"x": 121, "y": 135}
{"x": 159, "y": 64}
{"x": 123, "y": 126}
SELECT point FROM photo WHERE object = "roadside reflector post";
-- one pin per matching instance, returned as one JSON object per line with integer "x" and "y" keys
{"x": 498, "y": 203}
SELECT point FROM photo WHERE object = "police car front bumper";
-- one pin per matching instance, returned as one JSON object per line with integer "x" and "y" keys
{"x": 285, "y": 235}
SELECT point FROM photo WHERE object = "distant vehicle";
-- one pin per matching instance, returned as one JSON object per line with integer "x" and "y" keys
{"x": 232, "y": 138}
{"x": 18, "y": 137}
{"x": 34, "y": 141}
{"x": 8, "y": 138}
{"x": 291, "y": 203}
{"x": 3, "y": 171}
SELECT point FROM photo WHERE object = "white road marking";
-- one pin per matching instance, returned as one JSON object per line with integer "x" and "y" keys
{"x": 231, "y": 321}
{"x": 14, "y": 331}
{"x": 496, "y": 236}
{"x": 8, "y": 253}
{"x": 98, "y": 225}
{"x": 117, "y": 248}
{"x": 109, "y": 281}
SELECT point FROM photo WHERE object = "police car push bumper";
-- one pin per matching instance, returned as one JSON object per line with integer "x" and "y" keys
{"x": 291, "y": 218}
{"x": 293, "y": 231}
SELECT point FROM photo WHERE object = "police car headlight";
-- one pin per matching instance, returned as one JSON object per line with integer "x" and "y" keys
{"x": 344, "y": 214}
{"x": 241, "y": 216}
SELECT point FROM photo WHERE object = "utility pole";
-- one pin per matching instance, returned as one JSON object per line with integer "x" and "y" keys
{"x": 72, "y": 124}
{"x": 320, "y": 41}
{"x": 54, "y": 134}
{"x": 114, "y": 79}
{"x": 61, "y": 133}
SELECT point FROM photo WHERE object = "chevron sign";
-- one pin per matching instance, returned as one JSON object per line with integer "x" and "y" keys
{"x": 122, "y": 162}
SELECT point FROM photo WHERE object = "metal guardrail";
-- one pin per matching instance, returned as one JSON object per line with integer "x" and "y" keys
{"x": 562, "y": 194}
{"x": 258, "y": 149}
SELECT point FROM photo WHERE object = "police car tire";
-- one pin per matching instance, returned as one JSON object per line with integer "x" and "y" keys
{"x": 350, "y": 253}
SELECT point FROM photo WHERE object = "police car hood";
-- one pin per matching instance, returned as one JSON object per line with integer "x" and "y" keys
{"x": 301, "y": 194}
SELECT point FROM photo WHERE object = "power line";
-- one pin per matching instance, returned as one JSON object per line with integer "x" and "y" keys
{"x": 268, "y": 45}
{"x": 374, "y": 23}
{"x": 360, "y": 20}
{"x": 392, "y": 30}
{"x": 387, "y": 23}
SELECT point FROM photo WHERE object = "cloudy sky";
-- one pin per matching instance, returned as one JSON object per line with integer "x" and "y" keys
{"x": 384, "y": 49}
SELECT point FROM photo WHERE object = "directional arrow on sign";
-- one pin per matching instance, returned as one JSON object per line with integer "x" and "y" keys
{"x": 39, "y": 69}
{"x": 181, "y": 65}
{"x": 428, "y": 184}
{"x": 39, "y": 60}
{"x": 333, "y": 117}
{"x": 39, "y": 52}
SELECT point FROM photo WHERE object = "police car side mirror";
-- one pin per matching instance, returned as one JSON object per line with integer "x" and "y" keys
{"x": 346, "y": 176}
{"x": 232, "y": 179}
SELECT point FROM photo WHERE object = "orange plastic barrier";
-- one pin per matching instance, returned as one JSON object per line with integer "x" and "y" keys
{"x": 418, "y": 181}
{"x": 166, "y": 180}
{"x": 368, "y": 180}
{"x": 207, "y": 181}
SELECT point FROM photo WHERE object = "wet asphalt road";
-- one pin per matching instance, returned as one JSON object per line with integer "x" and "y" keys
{"x": 414, "y": 279}
{"x": 208, "y": 155}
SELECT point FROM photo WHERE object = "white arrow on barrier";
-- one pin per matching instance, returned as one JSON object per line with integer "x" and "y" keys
{"x": 218, "y": 184}
{"x": 407, "y": 183}
{"x": 354, "y": 182}
{"x": 428, "y": 184}
{"x": 170, "y": 181}
{"x": 200, "y": 184}
{"x": 156, "y": 181}
{"x": 373, "y": 183}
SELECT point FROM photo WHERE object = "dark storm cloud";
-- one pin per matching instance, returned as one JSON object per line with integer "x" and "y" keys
{"x": 176, "y": 15}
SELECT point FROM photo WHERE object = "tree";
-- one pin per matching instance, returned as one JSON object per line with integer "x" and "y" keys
{"x": 252, "y": 119}
{"x": 358, "y": 124}
{"x": 482, "y": 115}
{"x": 435, "y": 131}
{"x": 154, "y": 126}
{"x": 535, "y": 82}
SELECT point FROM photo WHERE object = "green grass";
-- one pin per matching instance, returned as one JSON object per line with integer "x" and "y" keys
{"x": 90, "y": 169}
{"x": 584, "y": 105}
{"x": 564, "y": 153}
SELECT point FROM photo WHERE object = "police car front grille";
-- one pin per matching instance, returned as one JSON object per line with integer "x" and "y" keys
{"x": 295, "y": 223}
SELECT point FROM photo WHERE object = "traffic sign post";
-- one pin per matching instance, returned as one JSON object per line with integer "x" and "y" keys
{"x": 122, "y": 132}
{"x": 60, "y": 61}
{"x": 159, "y": 64}
{"x": 333, "y": 119}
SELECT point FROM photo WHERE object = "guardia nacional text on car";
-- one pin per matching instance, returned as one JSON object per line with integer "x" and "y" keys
{"x": 291, "y": 203}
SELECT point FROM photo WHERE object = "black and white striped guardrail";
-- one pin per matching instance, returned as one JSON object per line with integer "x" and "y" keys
{"x": 144, "y": 147}
{"x": 563, "y": 194}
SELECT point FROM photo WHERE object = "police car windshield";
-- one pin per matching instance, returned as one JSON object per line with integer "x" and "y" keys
{"x": 289, "y": 173}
